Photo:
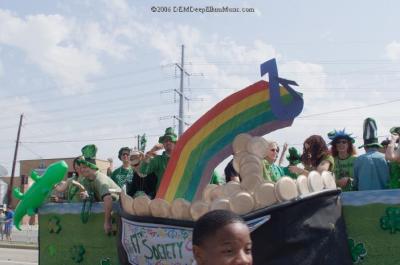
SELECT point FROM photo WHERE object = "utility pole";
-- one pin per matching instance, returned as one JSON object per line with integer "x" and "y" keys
{"x": 182, "y": 97}
{"x": 181, "y": 94}
{"x": 14, "y": 161}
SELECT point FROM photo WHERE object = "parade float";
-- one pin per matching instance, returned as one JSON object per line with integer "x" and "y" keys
{"x": 303, "y": 221}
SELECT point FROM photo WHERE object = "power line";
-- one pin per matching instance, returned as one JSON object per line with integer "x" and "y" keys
{"x": 351, "y": 108}
{"x": 92, "y": 128}
{"x": 143, "y": 70}
{"x": 103, "y": 90}
{"x": 304, "y": 88}
{"x": 30, "y": 150}
{"x": 110, "y": 112}
{"x": 84, "y": 140}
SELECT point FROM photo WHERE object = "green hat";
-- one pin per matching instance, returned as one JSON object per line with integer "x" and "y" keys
{"x": 89, "y": 156}
{"x": 122, "y": 150}
{"x": 169, "y": 133}
{"x": 340, "y": 134}
{"x": 294, "y": 157}
{"x": 395, "y": 130}
{"x": 370, "y": 134}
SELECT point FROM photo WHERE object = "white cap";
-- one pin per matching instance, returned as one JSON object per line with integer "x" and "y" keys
{"x": 231, "y": 188}
{"x": 220, "y": 204}
{"x": 257, "y": 146}
{"x": 198, "y": 209}
{"x": 286, "y": 189}
{"x": 207, "y": 192}
{"x": 127, "y": 203}
{"x": 237, "y": 158}
{"x": 242, "y": 203}
{"x": 329, "y": 180}
{"x": 302, "y": 185}
{"x": 240, "y": 142}
{"x": 141, "y": 205}
{"x": 160, "y": 208}
{"x": 180, "y": 209}
{"x": 250, "y": 183}
{"x": 265, "y": 195}
{"x": 315, "y": 182}
{"x": 216, "y": 193}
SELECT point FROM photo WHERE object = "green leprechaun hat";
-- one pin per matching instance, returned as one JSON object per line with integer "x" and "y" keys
{"x": 370, "y": 134}
{"x": 89, "y": 156}
{"x": 169, "y": 133}
{"x": 395, "y": 130}
{"x": 294, "y": 157}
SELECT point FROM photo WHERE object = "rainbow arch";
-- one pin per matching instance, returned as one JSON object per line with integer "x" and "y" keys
{"x": 257, "y": 109}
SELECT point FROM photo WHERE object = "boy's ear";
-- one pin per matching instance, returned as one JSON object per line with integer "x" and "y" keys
{"x": 198, "y": 254}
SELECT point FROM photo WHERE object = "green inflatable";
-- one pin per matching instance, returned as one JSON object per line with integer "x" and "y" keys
{"x": 36, "y": 195}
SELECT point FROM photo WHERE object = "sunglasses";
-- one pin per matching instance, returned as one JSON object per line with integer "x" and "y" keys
{"x": 274, "y": 150}
{"x": 125, "y": 154}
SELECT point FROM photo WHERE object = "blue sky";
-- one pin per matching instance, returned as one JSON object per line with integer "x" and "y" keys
{"x": 103, "y": 71}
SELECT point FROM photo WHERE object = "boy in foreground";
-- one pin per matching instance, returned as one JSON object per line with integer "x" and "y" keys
{"x": 221, "y": 237}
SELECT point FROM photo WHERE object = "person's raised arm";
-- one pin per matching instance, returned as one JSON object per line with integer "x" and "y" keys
{"x": 391, "y": 153}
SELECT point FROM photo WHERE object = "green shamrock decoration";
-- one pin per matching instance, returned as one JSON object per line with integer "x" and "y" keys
{"x": 391, "y": 221}
{"x": 358, "y": 251}
{"x": 77, "y": 252}
{"x": 54, "y": 225}
{"x": 105, "y": 261}
{"x": 51, "y": 250}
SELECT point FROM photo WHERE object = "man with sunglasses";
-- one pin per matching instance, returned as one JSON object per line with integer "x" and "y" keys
{"x": 156, "y": 164}
{"x": 124, "y": 173}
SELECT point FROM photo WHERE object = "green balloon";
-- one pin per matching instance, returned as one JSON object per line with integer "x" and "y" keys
{"x": 37, "y": 194}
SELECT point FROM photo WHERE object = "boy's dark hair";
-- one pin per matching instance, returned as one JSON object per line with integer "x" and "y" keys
{"x": 122, "y": 150}
{"x": 76, "y": 162}
{"x": 211, "y": 222}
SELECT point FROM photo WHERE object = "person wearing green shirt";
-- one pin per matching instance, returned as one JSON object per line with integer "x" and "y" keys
{"x": 392, "y": 155}
{"x": 343, "y": 152}
{"x": 157, "y": 164}
{"x": 271, "y": 171}
{"x": 97, "y": 184}
{"x": 124, "y": 174}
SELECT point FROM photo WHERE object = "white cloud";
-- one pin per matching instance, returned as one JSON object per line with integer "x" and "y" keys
{"x": 66, "y": 50}
{"x": 310, "y": 77}
{"x": 1, "y": 69}
{"x": 393, "y": 50}
{"x": 117, "y": 9}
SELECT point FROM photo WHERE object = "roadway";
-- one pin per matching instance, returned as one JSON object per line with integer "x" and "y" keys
{"x": 16, "y": 256}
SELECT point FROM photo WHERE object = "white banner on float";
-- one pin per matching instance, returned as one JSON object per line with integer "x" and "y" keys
{"x": 155, "y": 244}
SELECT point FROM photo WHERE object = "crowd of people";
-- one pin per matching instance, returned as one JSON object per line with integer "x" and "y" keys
{"x": 142, "y": 172}
{"x": 378, "y": 168}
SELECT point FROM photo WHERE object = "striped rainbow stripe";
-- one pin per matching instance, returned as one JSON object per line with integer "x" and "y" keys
{"x": 208, "y": 141}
